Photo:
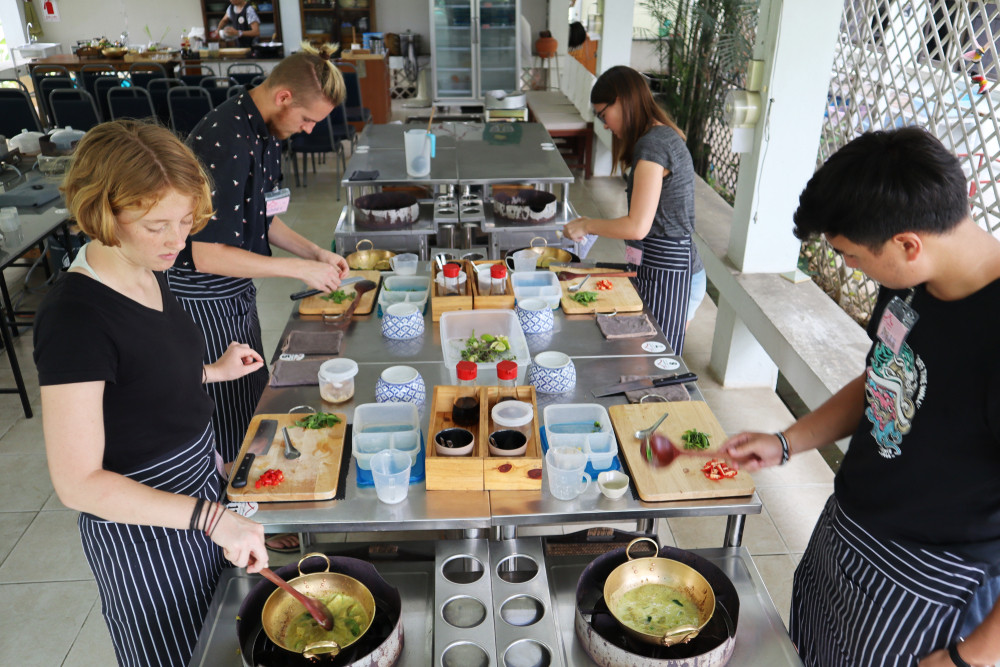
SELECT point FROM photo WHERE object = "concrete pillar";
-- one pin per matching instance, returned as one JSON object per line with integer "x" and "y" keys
{"x": 796, "y": 40}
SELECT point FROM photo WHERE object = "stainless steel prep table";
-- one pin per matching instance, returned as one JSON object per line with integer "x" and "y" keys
{"x": 413, "y": 238}
{"x": 760, "y": 637}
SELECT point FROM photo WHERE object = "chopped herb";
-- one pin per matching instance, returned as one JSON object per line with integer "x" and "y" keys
{"x": 486, "y": 348}
{"x": 585, "y": 297}
{"x": 319, "y": 420}
{"x": 695, "y": 439}
{"x": 678, "y": 602}
{"x": 340, "y": 296}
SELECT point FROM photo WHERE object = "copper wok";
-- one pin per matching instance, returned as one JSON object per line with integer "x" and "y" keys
{"x": 655, "y": 570}
{"x": 369, "y": 259}
{"x": 281, "y": 608}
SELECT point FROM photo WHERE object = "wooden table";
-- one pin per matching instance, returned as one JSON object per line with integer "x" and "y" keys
{"x": 373, "y": 74}
{"x": 73, "y": 62}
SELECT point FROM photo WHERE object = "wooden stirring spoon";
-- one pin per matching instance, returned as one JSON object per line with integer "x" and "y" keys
{"x": 571, "y": 275}
{"x": 659, "y": 449}
{"x": 315, "y": 608}
{"x": 360, "y": 288}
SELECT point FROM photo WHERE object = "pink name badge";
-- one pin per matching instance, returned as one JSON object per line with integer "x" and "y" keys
{"x": 277, "y": 201}
{"x": 896, "y": 324}
{"x": 633, "y": 255}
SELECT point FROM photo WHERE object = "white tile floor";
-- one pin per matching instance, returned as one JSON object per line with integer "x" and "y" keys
{"x": 43, "y": 573}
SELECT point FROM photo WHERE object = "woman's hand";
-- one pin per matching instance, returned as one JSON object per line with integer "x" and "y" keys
{"x": 238, "y": 360}
{"x": 576, "y": 230}
{"x": 242, "y": 541}
{"x": 334, "y": 260}
{"x": 753, "y": 451}
{"x": 321, "y": 275}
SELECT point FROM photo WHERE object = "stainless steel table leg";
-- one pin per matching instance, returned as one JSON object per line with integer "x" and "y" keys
{"x": 505, "y": 533}
{"x": 734, "y": 529}
{"x": 474, "y": 533}
{"x": 645, "y": 526}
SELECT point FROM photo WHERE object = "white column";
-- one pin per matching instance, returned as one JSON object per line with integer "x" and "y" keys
{"x": 615, "y": 47}
{"x": 796, "y": 41}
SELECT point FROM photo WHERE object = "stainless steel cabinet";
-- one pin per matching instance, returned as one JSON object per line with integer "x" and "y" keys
{"x": 474, "y": 48}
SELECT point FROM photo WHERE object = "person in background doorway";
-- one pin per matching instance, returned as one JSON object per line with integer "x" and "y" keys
{"x": 660, "y": 190}
{"x": 240, "y": 24}
{"x": 903, "y": 566}
{"x": 127, "y": 423}
{"x": 239, "y": 143}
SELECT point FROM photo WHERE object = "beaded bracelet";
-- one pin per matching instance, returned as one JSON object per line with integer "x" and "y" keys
{"x": 197, "y": 513}
{"x": 955, "y": 657}
{"x": 785, "y": 454}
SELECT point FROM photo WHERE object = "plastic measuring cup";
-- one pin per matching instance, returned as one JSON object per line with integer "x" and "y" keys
{"x": 405, "y": 264}
{"x": 565, "y": 469}
{"x": 419, "y": 147}
{"x": 391, "y": 474}
{"x": 523, "y": 260}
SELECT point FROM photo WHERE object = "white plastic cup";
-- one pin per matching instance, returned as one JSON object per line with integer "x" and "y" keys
{"x": 565, "y": 467}
{"x": 10, "y": 227}
{"x": 391, "y": 474}
{"x": 523, "y": 260}
{"x": 418, "y": 146}
{"x": 404, "y": 264}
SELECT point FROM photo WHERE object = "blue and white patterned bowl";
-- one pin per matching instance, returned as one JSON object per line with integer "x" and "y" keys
{"x": 534, "y": 315}
{"x": 400, "y": 384}
{"x": 552, "y": 373}
{"x": 402, "y": 321}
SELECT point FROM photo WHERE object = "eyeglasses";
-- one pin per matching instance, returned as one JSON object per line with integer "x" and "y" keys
{"x": 600, "y": 114}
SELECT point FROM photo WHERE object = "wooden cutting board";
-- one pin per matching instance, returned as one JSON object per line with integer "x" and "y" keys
{"x": 683, "y": 479}
{"x": 312, "y": 476}
{"x": 622, "y": 296}
{"x": 317, "y": 305}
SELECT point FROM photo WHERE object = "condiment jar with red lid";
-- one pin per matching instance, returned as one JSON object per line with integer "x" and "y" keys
{"x": 451, "y": 281}
{"x": 507, "y": 380}
{"x": 465, "y": 410}
{"x": 498, "y": 283}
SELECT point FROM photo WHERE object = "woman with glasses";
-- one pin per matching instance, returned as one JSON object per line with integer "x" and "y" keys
{"x": 660, "y": 189}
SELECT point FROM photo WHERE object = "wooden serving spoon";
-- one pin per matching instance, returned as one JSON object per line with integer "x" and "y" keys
{"x": 571, "y": 275}
{"x": 659, "y": 450}
{"x": 360, "y": 288}
{"x": 315, "y": 608}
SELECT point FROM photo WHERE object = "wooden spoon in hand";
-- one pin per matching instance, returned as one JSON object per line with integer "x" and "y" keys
{"x": 659, "y": 450}
{"x": 315, "y": 608}
{"x": 570, "y": 275}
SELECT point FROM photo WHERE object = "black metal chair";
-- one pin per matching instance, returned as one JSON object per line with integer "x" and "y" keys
{"x": 132, "y": 102}
{"x": 245, "y": 73}
{"x": 17, "y": 112}
{"x": 218, "y": 88}
{"x": 14, "y": 83}
{"x": 191, "y": 75}
{"x": 327, "y": 137}
{"x": 188, "y": 105}
{"x": 233, "y": 91}
{"x": 102, "y": 85}
{"x": 72, "y": 107}
{"x": 257, "y": 80}
{"x": 140, "y": 74}
{"x": 356, "y": 111}
{"x": 158, "y": 89}
{"x": 47, "y": 78}
{"x": 89, "y": 74}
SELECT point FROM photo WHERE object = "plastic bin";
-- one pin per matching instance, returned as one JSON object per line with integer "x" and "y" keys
{"x": 408, "y": 289}
{"x": 457, "y": 326}
{"x": 572, "y": 425}
{"x": 540, "y": 284}
{"x": 379, "y": 426}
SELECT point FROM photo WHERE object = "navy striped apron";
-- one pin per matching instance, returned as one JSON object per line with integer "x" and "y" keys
{"x": 858, "y": 601}
{"x": 226, "y": 310}
{"x": 156, "y": 583}
{"x": 663, "y": 281}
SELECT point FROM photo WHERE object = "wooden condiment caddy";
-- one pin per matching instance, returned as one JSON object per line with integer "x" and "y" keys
{"x": 446, "y": 304}
{"x": 489, "y": 300}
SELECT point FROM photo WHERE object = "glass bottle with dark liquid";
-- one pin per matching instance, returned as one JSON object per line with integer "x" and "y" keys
{"x": 507, "y": 380}
{"x": 465, "y": 411}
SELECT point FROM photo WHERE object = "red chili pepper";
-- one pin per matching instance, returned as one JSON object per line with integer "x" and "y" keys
{"x": 270, "y": 477}
{"x": 604, "y": 285}
{"x": 717, "y": 470}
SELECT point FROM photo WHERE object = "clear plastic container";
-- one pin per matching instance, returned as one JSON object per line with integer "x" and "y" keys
{"x": 583, "y": 425}
{"x": 451, "y": 285}
{"x": 457, "y": 326}
{"x": 336, "y": 380}
{"x": 404, "y": 289}
{"x": 513, "y": 415}
{"x": 379, "y": 426}
{"x": 507, "y": 380}
{"x": 540, "y": 284}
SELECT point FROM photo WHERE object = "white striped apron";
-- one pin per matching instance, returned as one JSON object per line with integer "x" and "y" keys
{"x": 858, "y": 601}
{"x": 226, "y": 310}
{"x": 663, "y": 281}
{"x": 156, "y": 583}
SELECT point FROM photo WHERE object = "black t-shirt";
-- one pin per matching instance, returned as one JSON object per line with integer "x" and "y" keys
{"x": 151, "y": 362}
{"x": 924, "y": 463}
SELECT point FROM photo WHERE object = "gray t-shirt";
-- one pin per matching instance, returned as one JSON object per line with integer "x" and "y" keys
{"x": 675, "y": 214}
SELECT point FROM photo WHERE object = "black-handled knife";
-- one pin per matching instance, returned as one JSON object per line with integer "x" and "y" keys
{"x": 644, "y": 383}
{"x": 258, "y": 446}
{"x": 313, "y": 292}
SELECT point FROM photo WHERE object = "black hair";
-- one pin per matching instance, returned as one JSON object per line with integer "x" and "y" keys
{"x": 577, "y": 34}
{"x": 881, "y": 184}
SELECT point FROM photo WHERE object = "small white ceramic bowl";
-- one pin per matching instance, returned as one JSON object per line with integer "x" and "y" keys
{"x": 613, "y": 483}
{"x": 462, "y": 437}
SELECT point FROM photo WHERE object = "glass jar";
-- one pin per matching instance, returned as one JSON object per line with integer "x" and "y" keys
{"x": 336, "y": 380}
{"x": 465, "y": 410}
{"x": 451, "y": 282}
{"x": 498, "y": 283}
{"x": 507, "y": 380}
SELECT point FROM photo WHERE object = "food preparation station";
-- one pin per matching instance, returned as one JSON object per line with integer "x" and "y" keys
{"x": 457, "y": 211}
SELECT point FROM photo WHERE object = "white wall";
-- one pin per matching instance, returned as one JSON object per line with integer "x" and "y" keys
{"x": 80, "y": 20}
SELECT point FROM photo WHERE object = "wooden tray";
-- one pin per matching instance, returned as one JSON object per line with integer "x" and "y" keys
{"x": 512, "y": 473}
{"x": 453, "y": 473}
{"x": 317, "y": 305}
{"x": 683, "y": 479}
{"x": 312, "y": 476}
{"x": 489, "y": 301}
{"x": 446, "y": 304}
{"x": 622, "y": 296}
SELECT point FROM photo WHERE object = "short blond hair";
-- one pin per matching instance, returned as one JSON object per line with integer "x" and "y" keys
{"x": 309, "y": 74}
{"x": 128, "y": 165}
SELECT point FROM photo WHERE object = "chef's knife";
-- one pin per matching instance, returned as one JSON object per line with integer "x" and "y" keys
{"x": 644, "y": 383}
{"x": 258, "y": 447}
{"x": 313, "y": 292}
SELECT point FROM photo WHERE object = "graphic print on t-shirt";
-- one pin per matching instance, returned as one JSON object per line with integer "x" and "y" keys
{"x": 895, "y": 388}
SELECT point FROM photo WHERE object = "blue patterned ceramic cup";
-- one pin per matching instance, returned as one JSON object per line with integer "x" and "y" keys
{"x": 534, "y": 315}
{"x": 402, "y": 321}
{"x": 400, "y": 384}
{"x": 552, "y": 373}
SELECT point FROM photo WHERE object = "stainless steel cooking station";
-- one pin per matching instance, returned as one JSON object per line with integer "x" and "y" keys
{"x": 471, "y": 158}
{"x": 760, "y": 635}
{"x": 416, "y": 238}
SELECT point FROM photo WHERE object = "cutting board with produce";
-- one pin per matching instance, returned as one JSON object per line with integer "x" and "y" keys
{"x": 326, "y": 304}
{"x": 683, "y": 479}
{"x": 312, "y": 476}
{"x": 621, "y": 296}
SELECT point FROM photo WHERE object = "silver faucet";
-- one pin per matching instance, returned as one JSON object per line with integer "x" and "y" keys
{"x": 31, "y": 36}
{"x": 124, "y": 38}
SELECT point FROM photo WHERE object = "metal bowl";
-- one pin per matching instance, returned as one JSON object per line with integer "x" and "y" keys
{"x": 114, "y": 52}
{"x": 547, "y": 254}
{"x": 369, "y": 259}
